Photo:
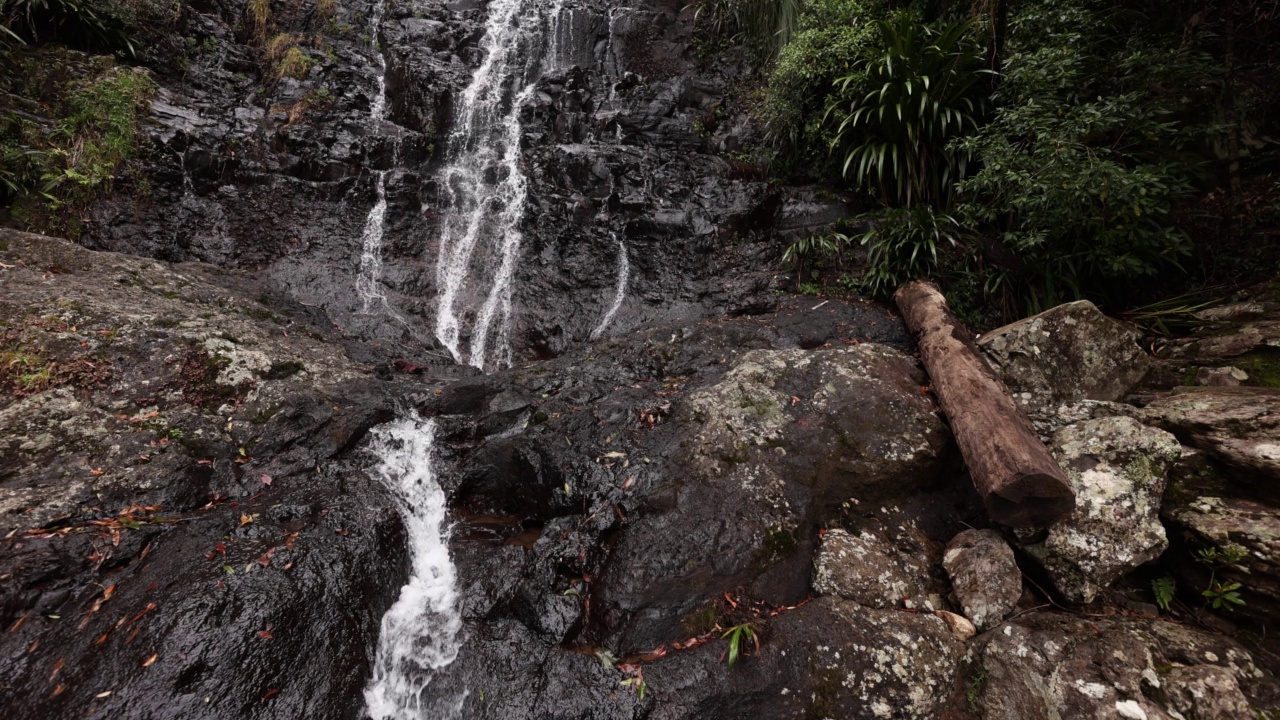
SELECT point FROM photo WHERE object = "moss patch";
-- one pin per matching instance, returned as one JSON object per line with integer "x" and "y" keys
{"x": 198, "y": 378}
{"x": 1263, "y": 367}
{"x": 79, "y": 124}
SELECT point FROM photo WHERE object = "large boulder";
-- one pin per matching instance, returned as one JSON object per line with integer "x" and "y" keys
{"x": 1205, "y": 692}
{"x": 1066, "y": 354}
{"x": 1057, "y": 665}
{"x": 772, "y": 449}
{"x": 829, "y": 658}
{"x": 1118, "y": 469}
{"x": 984, "y": 575}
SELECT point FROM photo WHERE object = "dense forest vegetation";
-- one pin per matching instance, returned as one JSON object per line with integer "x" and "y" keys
{"x": 1021, "y": 152}
{"x": 1027, "y": 152}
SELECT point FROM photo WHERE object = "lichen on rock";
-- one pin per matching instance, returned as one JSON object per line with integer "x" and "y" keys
{"x": 1118, "y": 469}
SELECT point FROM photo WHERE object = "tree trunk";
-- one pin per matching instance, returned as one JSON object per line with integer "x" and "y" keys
{"x": 1020, "y": 482}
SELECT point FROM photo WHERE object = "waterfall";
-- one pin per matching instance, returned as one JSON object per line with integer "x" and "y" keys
{"x": 368, "y": 285}
{"x": 624, "y": 271}
{"x": 369, "y": 281}
{"x": 419, "y": 634}
{"x": 485, "y": 188}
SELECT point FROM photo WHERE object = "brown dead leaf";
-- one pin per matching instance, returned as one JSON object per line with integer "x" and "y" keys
{"x": 96, "y": 471}
{"x": 148, "y": 661}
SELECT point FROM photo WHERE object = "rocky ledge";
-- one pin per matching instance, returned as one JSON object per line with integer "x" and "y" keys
{"x": 191, "y": 526}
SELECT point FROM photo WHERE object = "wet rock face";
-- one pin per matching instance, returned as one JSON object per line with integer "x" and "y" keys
{"x": 1118, "y": 469}
{"x": 1051, "y": 665}
{"x": 185, "y": 525}
{"x": 1066, "y": 354}
{"x": 622, "y": 145}
{"x": 984, "y": 575}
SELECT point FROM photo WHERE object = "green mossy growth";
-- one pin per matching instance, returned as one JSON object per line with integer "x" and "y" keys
{"x": 702, "y": 621}
{"x": 78, "y": 123}
{"x": 1263, "y": 367}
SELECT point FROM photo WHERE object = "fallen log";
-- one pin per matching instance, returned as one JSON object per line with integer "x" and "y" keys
{"x": 1020, "y": 482}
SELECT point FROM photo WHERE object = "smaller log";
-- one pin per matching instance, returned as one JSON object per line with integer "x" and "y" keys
{"x": 1020, "y": 482}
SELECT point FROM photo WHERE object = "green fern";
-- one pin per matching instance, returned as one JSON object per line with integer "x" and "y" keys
{"x": 1164, "y": 589}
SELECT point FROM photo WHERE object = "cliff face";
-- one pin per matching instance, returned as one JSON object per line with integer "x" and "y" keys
{"x": 629, "y": 140}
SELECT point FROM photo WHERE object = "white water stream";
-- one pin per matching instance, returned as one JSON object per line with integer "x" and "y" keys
{"x": 485, "y": 189}
{"x": 620, "y": 292}
{"x": 419, "y": 634}
{"x": 369, "y": 281}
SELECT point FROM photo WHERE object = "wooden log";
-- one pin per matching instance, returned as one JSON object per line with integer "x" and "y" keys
{"x": 1020, "y": 482}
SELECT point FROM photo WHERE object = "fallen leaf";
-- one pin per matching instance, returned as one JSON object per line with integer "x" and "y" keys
{"x": 265, "y": 478}
{"x": 245, "y": 519}
{"x": 270, "y": 694}
{"x": 103, "y": 694}
{"x": 150, "y": 606}
{"x": 56, "y": 667}
{"x": 148, "y": 661}
{"x": 18, "y": 623}
{"x": 96, "y": 471}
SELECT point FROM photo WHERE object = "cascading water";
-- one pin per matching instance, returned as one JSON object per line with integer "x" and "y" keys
{"x": 369, "y": 281}
{"x": 485, "y": 188}
{"x": 419, "y": 634}
{"x": 620, "y": 293}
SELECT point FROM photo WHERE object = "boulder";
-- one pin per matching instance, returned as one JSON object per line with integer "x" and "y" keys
{"x": 867, "y": 570}
{"x": 1118, "y": 468}
{"x": 984, "y": 575}
{"x": 768, "y": 452}
{"x": 1049, "y": 664}
{"x": 1238, "y": 426}
{"x": 1205, "y": 692}
{"x": 1066, "y": 354}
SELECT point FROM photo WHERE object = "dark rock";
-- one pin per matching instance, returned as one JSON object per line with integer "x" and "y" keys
{"x": 1205, "y": 692}
{"x": 866, "y": 570}
{"x": 193, "y": 529}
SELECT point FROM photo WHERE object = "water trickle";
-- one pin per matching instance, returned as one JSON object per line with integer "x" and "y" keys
{"x": 485, "y": 188}
{"x": 369, "y": 281}
{"x": 419, "y": 634}
{"x": 624, "y": 272}
{"x": 368, "y": 284}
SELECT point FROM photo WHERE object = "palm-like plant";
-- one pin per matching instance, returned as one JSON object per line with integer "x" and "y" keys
{"x": 904, "y": 105}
